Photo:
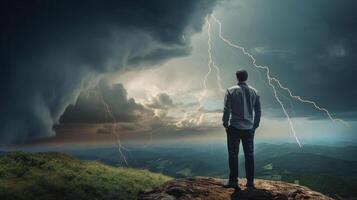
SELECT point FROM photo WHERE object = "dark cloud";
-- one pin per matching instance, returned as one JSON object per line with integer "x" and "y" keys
{"x": 51, "y": 50}
{"x": 91, "y": 106}
{"x": 161, "y": 101}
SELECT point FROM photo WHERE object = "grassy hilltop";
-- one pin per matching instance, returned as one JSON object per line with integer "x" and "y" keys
{"x": 59, "y": 176}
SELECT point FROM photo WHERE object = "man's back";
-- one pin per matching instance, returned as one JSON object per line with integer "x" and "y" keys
{"x": 241, "y": 107}
{"x": 241, "y": 116}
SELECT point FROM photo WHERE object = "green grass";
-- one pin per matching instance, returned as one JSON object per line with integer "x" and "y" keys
{"x": 59, "y": 176}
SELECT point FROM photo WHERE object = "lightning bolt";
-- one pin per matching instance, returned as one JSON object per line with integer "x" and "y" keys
{"x": 210, "y": 62}
{"x": 210, "y": 65}
{"x": 308, "y": 101}
{"x": 267, "y": 74}
{"x": 108, "y": 112}
{"x": 270, "y": 80}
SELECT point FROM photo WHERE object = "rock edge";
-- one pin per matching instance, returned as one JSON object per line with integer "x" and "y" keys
{"x": 208, "y": 188}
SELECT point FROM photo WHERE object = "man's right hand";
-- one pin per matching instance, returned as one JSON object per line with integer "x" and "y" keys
{"x": 253, "y": 130}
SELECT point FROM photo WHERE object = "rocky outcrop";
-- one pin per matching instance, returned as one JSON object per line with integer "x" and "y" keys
{"x": 205, "y": 188}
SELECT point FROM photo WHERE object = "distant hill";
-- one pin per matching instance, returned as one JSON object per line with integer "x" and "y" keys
{"x": 340, "y": 152}
{"x": 331, "y": 176}
{"x": 50, "y": 176}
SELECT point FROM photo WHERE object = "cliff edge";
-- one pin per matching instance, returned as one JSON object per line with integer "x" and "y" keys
{"x": 211, "y": 189}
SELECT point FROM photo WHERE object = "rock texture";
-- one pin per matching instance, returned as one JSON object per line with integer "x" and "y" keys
{"x": 205, "y": 188}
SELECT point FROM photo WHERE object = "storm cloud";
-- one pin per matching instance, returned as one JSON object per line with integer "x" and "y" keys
{"x": 161, "y": 101}
{"x": 92, "y": 106}
{"x": 52, "y": 50}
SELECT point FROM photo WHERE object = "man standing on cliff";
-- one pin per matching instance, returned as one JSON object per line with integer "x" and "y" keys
{"x": 241, "y": 117}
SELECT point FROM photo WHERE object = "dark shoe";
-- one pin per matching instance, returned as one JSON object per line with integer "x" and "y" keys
{"x": 232, "y": 185}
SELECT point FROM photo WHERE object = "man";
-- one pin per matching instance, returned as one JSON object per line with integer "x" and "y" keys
{"x": 241, "y": 116}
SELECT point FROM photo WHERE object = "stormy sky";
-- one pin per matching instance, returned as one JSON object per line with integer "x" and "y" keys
{"x": 65, "y": 62}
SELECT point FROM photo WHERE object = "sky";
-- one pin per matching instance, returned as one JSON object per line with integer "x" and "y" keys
{"x": 95, "y": 72}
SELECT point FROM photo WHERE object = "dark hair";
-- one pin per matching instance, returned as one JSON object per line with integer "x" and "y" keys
{"x": 242, "y": 75}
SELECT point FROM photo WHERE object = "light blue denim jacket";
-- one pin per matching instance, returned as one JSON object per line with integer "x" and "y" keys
{"x": 240, "y": 102}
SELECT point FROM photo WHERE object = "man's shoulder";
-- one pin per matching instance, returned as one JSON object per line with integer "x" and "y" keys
{"x": 237, "y": 87}
{"x": 232, "y": 88}
{"x": 252, "y": 88}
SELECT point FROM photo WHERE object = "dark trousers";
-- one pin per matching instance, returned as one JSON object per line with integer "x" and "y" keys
{"x": 233, "y": 139}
